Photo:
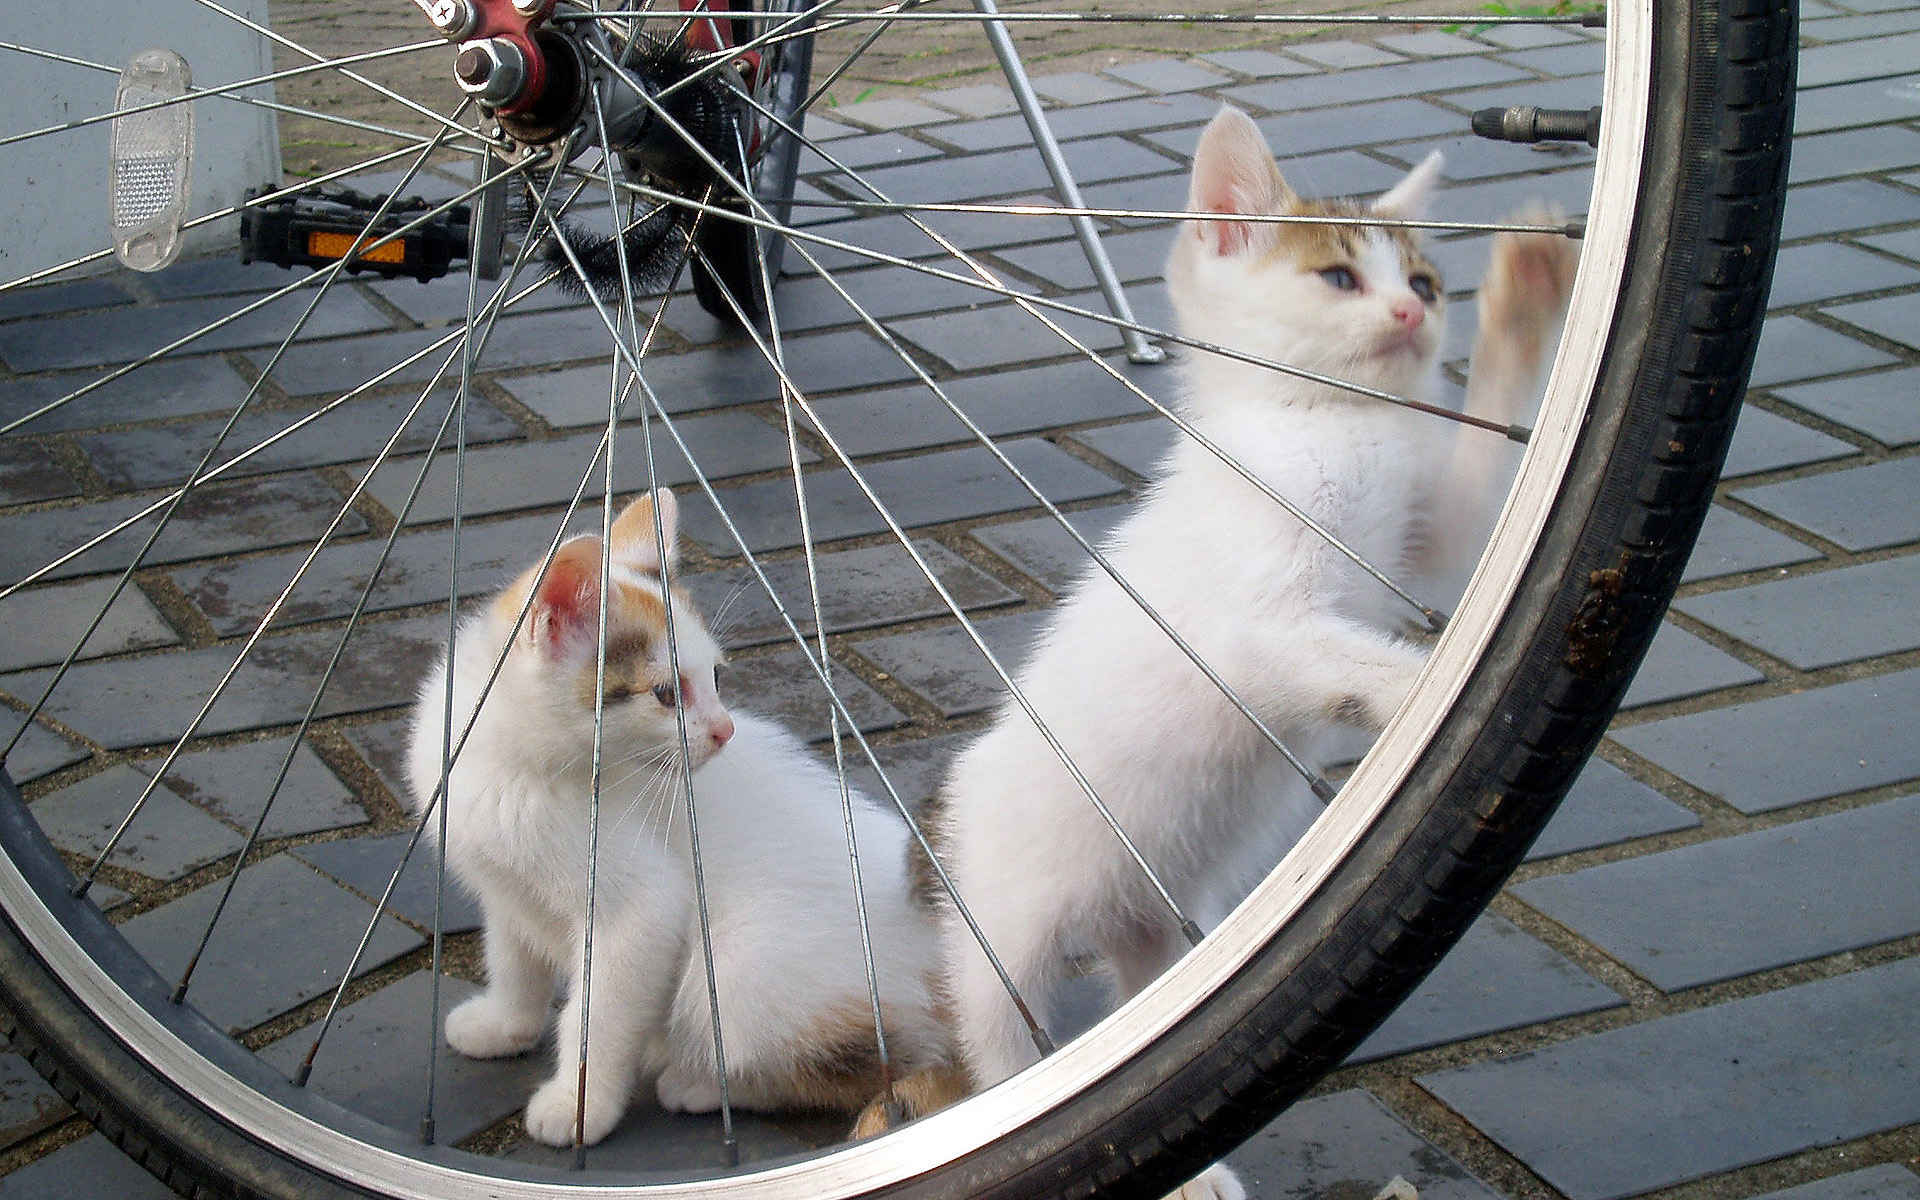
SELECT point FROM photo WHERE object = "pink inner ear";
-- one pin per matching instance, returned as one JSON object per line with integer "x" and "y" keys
{"x": 568, "y": 604}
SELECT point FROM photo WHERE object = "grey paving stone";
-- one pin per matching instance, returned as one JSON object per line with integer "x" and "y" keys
{"x": 1768, "y": 754}
{"x": 1497, "y": 977}
{"x": 1002, "y": 335}
{"x": 1574, "y": 58}
{"x": 40, "y": 751}
{"x": 1884, "y": 1182}
{"x": 1432, "y": 43}
{"x": 1045, "y": 551}
{"x": 374, "y": 1062}
{"x": 822, "y": 129}
{"x": 1607, "y": 806}
{"x": 167, "y": 839}
{"x": 162, "y": 389}
{"x": 945, "y": 667}
{"x": 214, "y": 519}
{"x": 1132, "y": 115}
{"x": 539, "y": 474}
{"x": 1344, "y": 55}
{"x": 444, "y": 301}
{"x": 1149, "y": 194}
{"x": 1472, "y": 158}
{"x": 194, "y": 278}
{"x": 888, "y": 114}
{"x": 1818, "y": 620}
{"x": 1897, "y": 54}
{"x": 1844, "y": 205}
{"x": 860, "y": 589}
{"x": 1730, "y": 543}
{"x": 1345, "y": 1144}
{"x": 1894, "y": 317}
{"x": 1765, "y": 441}
{"x": 1092, "y": 160}
{"x": 1081, "y": 87}
{"x": 27, "y": 1104}
{"x": 1792, "y": 348}
{"x": 366, "y": 864}
{"x": 1823, "y": 271}
{"x": 48, "y": 299}
{"x": 125, "y": 334}
{"x": 384, "y": 745}
{"x": 783, "y": 686}
{"x": 872, "y": 150}
{"x": 1136, "y": 445}
{"x": 90, "y": 1169}
{"x": 360, "y": 428}
{"x": 1526, "y": 37}
{"x": 1752, "y": 901}
{"x": 1374, "y": 83}
{"x": 1872, "y": 102}
{"x": 1679, "y": 665}
{"x": 1567, "y": 190}
{"x": 42, "y": 624}
{"x": 137, "y": 702}
{"x": 807, "y": 302}
{"x": 234, "y": 782}
{"x": 1839, "y": 26}
{"x": 1259, "y": 64}
{"x": 896, "y": 236}
{"x": 1000, "y": 403}
{"x": 535, "y": 340}
{"x": 28, "y": 473}
{"x": 1136, "y": 256}
{"x": 287, "y": 936}
{"x": 739, "y": 374}
{"x": 234, "y": 595}
{"x": 1853, "y": 152}
{"x": 1168, "y": 75}
{"x": 914, "y": 768}
{"x": 1863, "y": 508}
{"x": 1686, "y": 1096}
{"x": 933, "y": 488}
{"x": 1885, "y": 406}
{"x": 980, "y": 100}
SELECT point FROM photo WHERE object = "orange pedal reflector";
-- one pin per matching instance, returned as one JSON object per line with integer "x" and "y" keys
{"x": 335, "y": 245}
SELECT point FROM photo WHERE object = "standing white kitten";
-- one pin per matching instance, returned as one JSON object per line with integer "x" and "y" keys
{"x": 794, "y": 1004}
{"x": 1299, "y": 632}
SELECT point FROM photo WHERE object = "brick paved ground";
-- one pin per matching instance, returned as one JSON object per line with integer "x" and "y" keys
{"x": 1703, "y": 984}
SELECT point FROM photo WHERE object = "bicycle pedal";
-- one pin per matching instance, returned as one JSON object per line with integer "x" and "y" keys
{"x": 152, "y": 163}
{"x": 319, "y": 229}
{"x": 1526, "y": 123}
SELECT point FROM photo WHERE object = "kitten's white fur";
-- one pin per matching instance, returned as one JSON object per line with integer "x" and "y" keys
{"x": 792, "y": 979}
{"x": 1299, "y": 633}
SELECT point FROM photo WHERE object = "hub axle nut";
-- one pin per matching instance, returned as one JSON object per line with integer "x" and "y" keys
{"x": 491, "y": 70}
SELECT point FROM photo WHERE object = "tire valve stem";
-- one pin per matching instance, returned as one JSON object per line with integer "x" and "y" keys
{"x": 1526, "y": 123}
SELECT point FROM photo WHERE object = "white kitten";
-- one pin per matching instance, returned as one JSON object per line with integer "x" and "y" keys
{"x": 1299, "y": 632}
{"x": 792, "y": 981}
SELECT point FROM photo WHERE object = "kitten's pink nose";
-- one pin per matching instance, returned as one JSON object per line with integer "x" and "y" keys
{"x": 1408, "y": 311}
{"x": 721, "y": 731}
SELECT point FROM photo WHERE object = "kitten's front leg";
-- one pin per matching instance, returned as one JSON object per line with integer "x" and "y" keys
{"x": 1217, "y": 1182}
{"x": 1324, "y": 670}
{"x": 509, "y": 1017}
{"x": 635, "y": 957}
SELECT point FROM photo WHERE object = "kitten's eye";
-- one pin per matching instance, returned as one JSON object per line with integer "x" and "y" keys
{"x": 618, "y": 693}
{"x": 667, "y": 694}
{"x": 1424, "y": 287}
{"x": 1341, "y": 278}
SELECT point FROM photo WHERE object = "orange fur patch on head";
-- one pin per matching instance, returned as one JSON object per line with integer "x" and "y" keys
{"x": 1315, "y": 246}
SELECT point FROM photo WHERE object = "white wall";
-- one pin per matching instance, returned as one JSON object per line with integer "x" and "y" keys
{"x": 53, "y": 189}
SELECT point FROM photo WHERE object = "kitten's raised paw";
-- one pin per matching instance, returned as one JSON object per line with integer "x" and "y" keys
{"x": 484, "y": 1028}
{"x": 552, "y": 1111}
{"x": 1529, "y": 279}
{"x": 1217, "y": 1182}
{"x": 687, "y": 1091}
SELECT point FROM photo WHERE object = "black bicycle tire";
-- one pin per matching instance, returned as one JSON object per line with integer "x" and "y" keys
{"x": 732, "y": 253}
{"x": 1586, "y": 608}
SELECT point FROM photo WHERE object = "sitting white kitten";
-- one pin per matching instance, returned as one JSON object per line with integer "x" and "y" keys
{"x": 792, "y": 980}
{"x": 1300, "y": 633}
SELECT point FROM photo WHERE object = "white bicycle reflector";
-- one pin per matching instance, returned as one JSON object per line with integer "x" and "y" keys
{"x": 152, "y": 159}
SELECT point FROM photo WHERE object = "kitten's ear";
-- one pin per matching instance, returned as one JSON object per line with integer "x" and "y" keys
{"x": 566, "y": 602}
{"x": 1408, "y": 198}
{"x": 1234, "y": 172}
{"x": 634, "y": 544}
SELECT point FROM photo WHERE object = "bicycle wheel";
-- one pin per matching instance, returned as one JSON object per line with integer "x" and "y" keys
{"x": 1685, "y": 208}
